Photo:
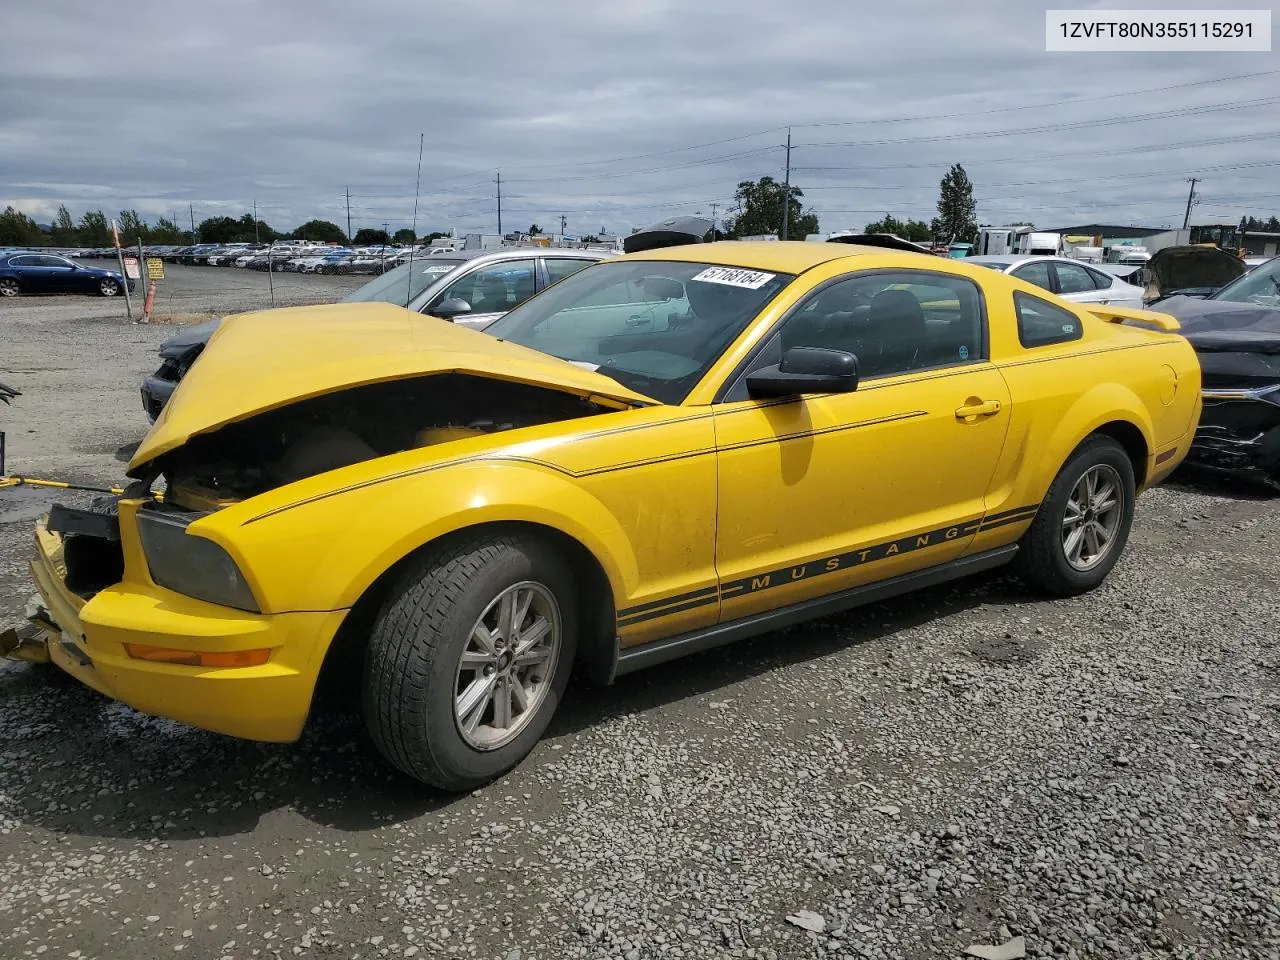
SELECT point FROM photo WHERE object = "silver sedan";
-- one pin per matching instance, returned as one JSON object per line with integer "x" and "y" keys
{"x": 1069, "y": 279}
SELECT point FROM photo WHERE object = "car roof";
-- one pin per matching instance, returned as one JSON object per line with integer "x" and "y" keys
{"x": 785, "y": 256}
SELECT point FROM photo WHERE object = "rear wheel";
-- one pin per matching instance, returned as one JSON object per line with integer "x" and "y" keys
{"x": 9, "y": 287}
{"x": 469, "y": 659}
{"x": 108, "y": 287}
{"x": 1083, "y": 523}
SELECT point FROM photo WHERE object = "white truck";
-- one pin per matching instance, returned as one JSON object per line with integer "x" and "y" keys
{"x": 1039, "y": 244}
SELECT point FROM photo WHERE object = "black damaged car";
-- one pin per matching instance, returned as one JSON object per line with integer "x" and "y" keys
{"x": 1236, "y": 332}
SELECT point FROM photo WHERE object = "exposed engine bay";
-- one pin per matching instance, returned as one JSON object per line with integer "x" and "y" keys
{"x": 361, "y": 423}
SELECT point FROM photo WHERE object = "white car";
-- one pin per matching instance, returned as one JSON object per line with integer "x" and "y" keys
{"x": 1069, "y": 279}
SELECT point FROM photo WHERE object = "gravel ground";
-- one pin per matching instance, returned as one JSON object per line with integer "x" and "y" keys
{"x": 966, "y": 766}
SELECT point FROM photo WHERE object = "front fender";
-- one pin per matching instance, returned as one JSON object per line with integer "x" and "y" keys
{"x": 322, "y": 554}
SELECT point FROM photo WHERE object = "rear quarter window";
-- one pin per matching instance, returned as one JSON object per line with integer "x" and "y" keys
{"x": 1041, "y": 323}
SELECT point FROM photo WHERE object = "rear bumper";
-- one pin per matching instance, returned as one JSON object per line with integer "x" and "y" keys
{"x": 86, "y": 638}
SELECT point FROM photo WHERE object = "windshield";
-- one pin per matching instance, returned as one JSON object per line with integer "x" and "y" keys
{"x": 394, "y": 287}
{"x": 1261, "y": 286}
{"x": 654, "y": 326}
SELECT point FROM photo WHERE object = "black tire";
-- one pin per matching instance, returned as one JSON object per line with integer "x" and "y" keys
{"x": 1042, "y": 561}
{"x": 109, "y": 287}
{"x": 412, "y": 660}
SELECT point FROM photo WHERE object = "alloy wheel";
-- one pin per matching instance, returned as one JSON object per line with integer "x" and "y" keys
{"x": 507, "y": 665}
{"x": 108, "y": 287}
{"x": 1092, "y": 517}
{"x": 9, "y": 287}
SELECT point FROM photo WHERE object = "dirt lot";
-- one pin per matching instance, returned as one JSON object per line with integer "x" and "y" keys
{"x": 1098, "y": 775}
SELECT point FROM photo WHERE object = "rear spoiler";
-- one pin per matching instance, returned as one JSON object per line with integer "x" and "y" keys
{"x": 1144, "y": 318}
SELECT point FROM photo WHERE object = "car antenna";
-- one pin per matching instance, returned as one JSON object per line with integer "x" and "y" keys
{"x": 413, "y": 246}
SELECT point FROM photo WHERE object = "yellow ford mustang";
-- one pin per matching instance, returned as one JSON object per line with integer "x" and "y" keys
{"x": 659, "y": 454}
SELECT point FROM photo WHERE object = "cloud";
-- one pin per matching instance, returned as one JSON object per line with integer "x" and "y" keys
{"x": 594, "y": 110}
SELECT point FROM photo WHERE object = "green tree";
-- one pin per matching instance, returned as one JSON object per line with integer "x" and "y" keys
{"x": 94, "y": 230}
{"x": 133, "y": 229}
{"x": 366, "y": 237}
{"x": 917, "y": 231}
{"x": 19, "y": 230}
{"x": 761, "y": 205}
{"x": 321, "y": 231}
{"x": 63, "y": 233}
{"x": 957, "y": 213}
{"x": 217, "y": 230}
{"x": 167, "y": 232}
{"x": 404, "y": 236}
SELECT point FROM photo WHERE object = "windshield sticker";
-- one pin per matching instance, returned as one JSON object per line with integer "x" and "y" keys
{"x": 735, "y": 277}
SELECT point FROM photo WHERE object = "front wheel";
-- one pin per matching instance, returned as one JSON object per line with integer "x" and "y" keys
{"x": 9, "y": 287}
{"x": 469, "y": 658}
{"x": 1083, "y": 523}
{"x": 108, "y": 287}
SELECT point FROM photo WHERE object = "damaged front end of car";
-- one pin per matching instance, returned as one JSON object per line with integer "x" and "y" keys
{"x": 1240, "y": 425}
{"x": 153, "y": 598}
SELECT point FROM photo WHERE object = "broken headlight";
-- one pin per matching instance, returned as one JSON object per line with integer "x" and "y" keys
{"x": 191, "y": 565}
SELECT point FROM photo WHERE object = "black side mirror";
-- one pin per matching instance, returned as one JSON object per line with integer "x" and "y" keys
{"x": 806, "y": 370}
{"x": 449, "y": 308}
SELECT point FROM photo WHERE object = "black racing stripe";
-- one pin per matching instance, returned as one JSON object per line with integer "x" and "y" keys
{"x": 668, "y": 611}
{"x": 1010, "y": 513}
{"x": 667, "y": 601}
{"x": 1006, "y": 521}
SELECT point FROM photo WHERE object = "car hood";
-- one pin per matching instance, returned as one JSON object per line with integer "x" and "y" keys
{"x": 1215, "y": 326}
{"x": 195, "y": 335}
{"x": 1190, "y": 267}
{"x": 257, "y": 362}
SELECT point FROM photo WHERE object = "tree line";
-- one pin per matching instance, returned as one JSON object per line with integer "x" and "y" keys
{"x": 93, "y": 229}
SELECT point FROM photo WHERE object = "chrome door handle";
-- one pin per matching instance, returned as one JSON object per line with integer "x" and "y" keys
{"x": 981, "y": 408}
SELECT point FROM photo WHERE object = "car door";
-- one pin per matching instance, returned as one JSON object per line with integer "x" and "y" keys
{"x": 1077, "y": 284}
{"x": 66, "y": 277}
{"x": 32, "y": 273}
{"x": 1038, "y": 272}
{"x": 490, "y": 290}
{"x": 822, "y": 493}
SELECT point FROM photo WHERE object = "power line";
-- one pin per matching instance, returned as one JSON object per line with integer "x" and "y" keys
{"x": 1054, "y": 127}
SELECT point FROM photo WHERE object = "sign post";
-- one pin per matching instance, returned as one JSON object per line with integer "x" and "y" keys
{"x": 115, "y": 240}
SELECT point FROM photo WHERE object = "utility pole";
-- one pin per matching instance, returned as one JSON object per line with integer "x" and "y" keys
{"x": 786, "y": 189}
{"x": 348, "y": 214}
{"x": 499, "y": 204}
{"x": 713, "y": 220}
{"x": 256, "y": 238}
{"x": 563, "y": 221}
{"x": 192, "y": 211}
{"x": 1190, "y": 198}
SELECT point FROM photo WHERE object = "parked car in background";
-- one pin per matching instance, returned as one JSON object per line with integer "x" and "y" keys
{"x": 471, "y": 288}
{"x": 660, "y": 454}
{"x": 1069, "y": 279}
{"x": 1236, "y": 332}
{"x": 1196, "y": 270}
{"x": 26, "y": 272}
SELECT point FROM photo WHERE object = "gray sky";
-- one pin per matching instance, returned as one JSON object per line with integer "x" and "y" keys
{"x": 608, "y": 112}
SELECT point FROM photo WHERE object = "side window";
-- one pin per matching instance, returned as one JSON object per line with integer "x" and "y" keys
{"x": 1073, "y": 278}
{"x": 25, "y": 262}
{"x": 495, "y": 288}
{"x": 892, "y": 321}
{"x": 1100, "y": 280}
{"x": 560, "y": 267}
{"x": 1036, "y": 272}
{"x": 1040, "y": 323}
